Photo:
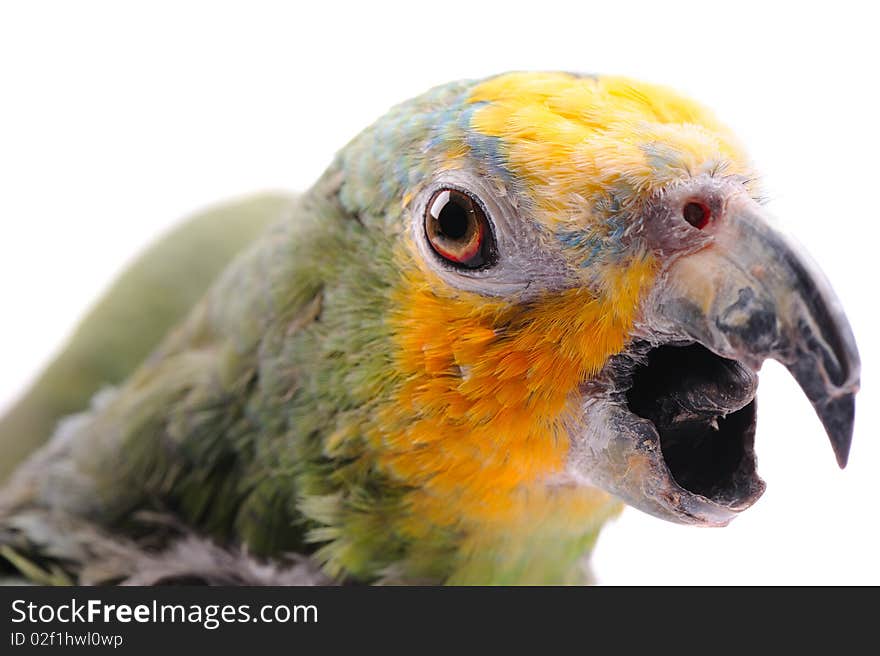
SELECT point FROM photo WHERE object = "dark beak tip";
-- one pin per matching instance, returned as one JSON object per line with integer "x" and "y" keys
{"x": 838, "y": 417}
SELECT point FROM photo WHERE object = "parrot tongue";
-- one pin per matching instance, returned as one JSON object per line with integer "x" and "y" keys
{"x": 703, "y": 408}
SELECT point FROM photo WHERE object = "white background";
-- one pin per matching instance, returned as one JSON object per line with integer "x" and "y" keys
{"x": 116, "y": 119}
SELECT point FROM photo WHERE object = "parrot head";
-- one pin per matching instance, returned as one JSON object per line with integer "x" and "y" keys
{"x": 586, "y": 286}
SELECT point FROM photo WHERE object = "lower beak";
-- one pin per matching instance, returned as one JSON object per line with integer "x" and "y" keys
{"x": 753, "y": 294}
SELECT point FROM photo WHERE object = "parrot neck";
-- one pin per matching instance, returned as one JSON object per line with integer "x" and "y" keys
{"x": 477, "y": 428}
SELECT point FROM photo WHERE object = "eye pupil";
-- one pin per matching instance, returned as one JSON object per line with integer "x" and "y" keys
{"x": 458, "y": 230}
{"x": 453, "y": 220}
{"x": 697, "y": 214}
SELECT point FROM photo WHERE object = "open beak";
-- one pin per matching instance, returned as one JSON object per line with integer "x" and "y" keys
{"x": 674, "y": 433}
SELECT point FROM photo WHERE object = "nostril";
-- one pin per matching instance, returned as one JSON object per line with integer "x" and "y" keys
{"x": 697, "y": 214}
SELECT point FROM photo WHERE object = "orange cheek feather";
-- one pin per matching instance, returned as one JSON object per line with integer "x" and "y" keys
{"x": 478, "y": 426}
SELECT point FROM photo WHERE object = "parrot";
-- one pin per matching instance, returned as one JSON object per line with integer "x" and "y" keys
{"x": 509, "y": 308}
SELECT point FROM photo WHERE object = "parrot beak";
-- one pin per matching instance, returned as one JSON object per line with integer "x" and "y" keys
{"x": 677, "y": 419}
{"x": 755, "y": 295}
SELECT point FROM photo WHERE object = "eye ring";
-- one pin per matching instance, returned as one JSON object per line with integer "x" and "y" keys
{"x": 697, "y": 213}
{"x": 458, "y": 230}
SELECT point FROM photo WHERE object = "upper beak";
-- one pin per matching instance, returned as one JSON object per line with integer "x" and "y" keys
{"x": 753, "y": 294}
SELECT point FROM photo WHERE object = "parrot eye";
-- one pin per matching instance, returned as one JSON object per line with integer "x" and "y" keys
{"x": 696, "y": 213}
{"x": 458, "y": 230}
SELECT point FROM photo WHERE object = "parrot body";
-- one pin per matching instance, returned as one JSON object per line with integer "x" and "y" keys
{"x": 427, "y": 369}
